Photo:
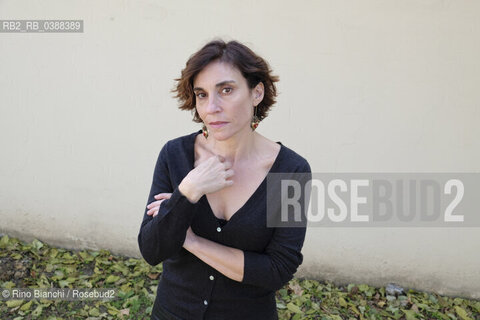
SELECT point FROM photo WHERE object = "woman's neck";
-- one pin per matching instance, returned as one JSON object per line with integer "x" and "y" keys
{"x": 238, "y": 148}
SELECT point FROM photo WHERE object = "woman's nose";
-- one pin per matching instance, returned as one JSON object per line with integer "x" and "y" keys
{"x": 213, "y": 104}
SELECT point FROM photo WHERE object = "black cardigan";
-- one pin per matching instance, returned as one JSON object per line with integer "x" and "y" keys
{"x": 188, "y": 287}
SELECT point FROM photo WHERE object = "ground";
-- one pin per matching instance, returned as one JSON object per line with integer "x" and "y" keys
{"x": 37, "y": 265}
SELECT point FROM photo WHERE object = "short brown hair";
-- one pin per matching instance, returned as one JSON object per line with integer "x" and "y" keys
{"x": 253, "y": 68}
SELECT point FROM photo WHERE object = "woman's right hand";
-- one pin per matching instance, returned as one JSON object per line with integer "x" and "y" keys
{"x": 209, "y": 176}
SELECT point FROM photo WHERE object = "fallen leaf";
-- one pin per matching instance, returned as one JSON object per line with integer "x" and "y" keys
{"x": 153, "y": 276}
{"x": 296, "y": 288}
{"x": 342, "y": 302}
{"x": 26, "y": 306}
{"x": 294, "y": 308}
{"x": 462, "y": 313}
{"x": 112, "y": 278}
{"x": 14, "y": 303}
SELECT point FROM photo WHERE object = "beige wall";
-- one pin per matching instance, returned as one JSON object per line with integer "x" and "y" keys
{"x": 376, "y": 86}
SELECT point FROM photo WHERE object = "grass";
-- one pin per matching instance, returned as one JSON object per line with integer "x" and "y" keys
{"x": 37, "y": 265}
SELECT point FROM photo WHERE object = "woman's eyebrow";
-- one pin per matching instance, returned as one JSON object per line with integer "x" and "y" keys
{"x": 217, "y": 85}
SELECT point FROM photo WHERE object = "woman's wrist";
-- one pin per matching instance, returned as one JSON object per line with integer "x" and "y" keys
{"x": 191, "y": 241}
{"x": 189, "y": 191}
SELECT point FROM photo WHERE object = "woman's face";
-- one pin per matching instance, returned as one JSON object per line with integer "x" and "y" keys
{"x": 223, "y": 100}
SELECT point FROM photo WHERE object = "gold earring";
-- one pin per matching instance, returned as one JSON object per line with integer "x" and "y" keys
{"x": 255, "y": 120}
{"x": 205, "y": 131}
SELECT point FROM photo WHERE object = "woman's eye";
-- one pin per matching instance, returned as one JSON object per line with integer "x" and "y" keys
{"x": 228, "y": 90}
{"x": 200, "y": 95}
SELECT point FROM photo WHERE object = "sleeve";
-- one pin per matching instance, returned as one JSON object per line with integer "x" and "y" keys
{"x": 162, "y": 236}
{"x": 273, "y": 268}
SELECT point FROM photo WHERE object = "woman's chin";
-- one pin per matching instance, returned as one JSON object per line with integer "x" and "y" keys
{"x": 223, "y": 134}
{"x": 220, "y": 136}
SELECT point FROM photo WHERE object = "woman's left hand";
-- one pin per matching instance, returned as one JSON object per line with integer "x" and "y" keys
{"x": 155, "y": 206}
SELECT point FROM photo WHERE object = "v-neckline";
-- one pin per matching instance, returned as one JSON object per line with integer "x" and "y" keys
{"x": 204, "y": 197}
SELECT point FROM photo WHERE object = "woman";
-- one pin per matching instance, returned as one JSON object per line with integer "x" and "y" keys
{"x": 206, "y": 213}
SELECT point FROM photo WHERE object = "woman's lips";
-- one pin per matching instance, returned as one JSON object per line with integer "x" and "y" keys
{"x": 217, "y": 124}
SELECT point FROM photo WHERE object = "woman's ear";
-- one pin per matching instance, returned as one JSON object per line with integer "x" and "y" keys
{"x": 258, "y": 92}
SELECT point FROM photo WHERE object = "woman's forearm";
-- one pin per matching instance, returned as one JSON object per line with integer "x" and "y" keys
{"x": 228, "y": 261}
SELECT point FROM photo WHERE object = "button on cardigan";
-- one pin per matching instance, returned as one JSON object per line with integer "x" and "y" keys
{"x": 188, "y": 287}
